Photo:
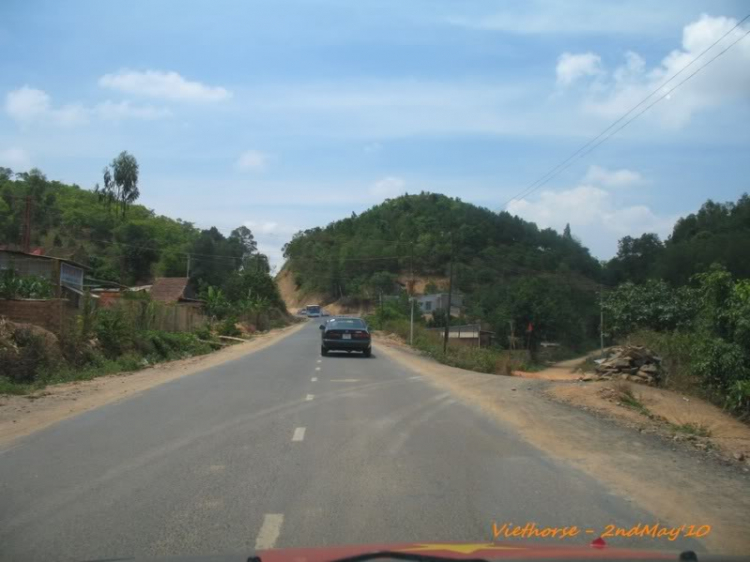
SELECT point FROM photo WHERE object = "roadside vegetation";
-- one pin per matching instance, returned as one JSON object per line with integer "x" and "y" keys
{"x": 123, "y": 244}
{"x": 393, "y": 318}
{"x": 701, "y": 330}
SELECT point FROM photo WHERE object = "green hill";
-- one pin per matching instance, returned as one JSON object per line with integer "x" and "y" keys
{"x": 509, "y": 269}
{"x": 134, "y": 247}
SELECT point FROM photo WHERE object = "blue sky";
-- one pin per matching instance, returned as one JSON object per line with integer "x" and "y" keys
{"x": 286, "y": 115}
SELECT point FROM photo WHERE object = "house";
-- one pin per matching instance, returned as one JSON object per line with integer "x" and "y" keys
{"x": 171, "y": 290}
{"x": 65, "y": 275}
{"x": 439, "y": 301}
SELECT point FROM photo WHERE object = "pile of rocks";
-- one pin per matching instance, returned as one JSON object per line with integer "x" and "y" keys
{"x": 630, "y": 362}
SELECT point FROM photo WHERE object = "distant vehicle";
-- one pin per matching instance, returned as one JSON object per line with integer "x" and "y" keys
{"x": 302, "y": 312}
{"x": 324, "y": 313}
{"x": 345, "y": 334}
{"x": 313, "y": 310}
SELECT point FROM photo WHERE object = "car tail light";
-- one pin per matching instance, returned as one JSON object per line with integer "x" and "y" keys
{"x": 361, "y": 335}
{"x": 333, "y": 336}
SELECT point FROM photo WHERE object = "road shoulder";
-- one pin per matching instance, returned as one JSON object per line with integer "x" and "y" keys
{"x": 23, "y": 415}
{"x": 668, "y": 482}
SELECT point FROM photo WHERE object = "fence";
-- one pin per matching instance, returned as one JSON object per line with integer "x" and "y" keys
{"x": 151, "y": 315}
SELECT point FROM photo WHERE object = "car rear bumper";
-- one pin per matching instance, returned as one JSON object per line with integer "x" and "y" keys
{"x": 347, "y": 345}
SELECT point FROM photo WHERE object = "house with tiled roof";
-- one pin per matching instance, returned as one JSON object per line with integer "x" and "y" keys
{"x": 172, "y": 290}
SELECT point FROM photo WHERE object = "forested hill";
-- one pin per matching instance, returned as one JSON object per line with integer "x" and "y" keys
{"x": 352, "y": 256}
{"x": 133, "y": 245}
{"x": 717, "y": 233}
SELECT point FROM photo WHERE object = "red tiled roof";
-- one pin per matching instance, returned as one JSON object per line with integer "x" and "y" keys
{"x": 169, "y": 289}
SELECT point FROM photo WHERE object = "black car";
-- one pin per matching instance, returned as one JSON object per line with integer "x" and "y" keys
{"x": 345, "y": 334}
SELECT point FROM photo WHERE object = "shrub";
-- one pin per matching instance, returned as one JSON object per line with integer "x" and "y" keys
{"x": 229, "y": 327}
{"x": 29, "y": 356}
{"x": 112, "y": 332}
{"x": 719, "y": 365}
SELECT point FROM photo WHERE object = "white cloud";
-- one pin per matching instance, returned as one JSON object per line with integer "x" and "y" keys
{"x": 28, "y": 105}
{"x": 118, "y": 111}
{"x": 251, "y": 160}
{"x": 594, "y": 215}
{"x": 725, "y": 80}
{"x": 388, "y": 187}
{"x": 165, "y": 85}
{"x": 17, "y": 159}
{"x": 597, "y": 175}
{"x": 373, "y": 148}
{"x": 571, "y": 67}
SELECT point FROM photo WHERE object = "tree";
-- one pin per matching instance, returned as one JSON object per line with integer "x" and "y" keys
{"x": 566, "y": 233}
{"x": 245, "y": 237}
{"x": 137, "y": 251}
{"x": 120, "y": 182}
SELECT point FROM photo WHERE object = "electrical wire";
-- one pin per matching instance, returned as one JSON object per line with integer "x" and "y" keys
{"x": 579, "y": 153}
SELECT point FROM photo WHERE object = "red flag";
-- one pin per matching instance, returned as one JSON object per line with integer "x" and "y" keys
{"x": 530, "y": 328}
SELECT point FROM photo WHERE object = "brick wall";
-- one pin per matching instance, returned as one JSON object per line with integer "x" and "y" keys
{"x": 49, "y": 314}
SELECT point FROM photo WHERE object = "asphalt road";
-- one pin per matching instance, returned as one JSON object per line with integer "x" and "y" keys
{"x": 283, "y": 447}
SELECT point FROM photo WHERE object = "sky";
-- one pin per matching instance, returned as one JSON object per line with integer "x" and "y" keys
{"x": 287, "y": 115}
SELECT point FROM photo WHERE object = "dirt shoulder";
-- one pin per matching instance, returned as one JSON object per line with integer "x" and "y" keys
{"x": 657, "y": 475}
{"x": 667, "y": 413}
{"x": 22, "y": 415}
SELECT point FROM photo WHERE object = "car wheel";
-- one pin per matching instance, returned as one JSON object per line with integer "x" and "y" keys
{"x": 323, "y": 351}
{"x": 367, "y": 352}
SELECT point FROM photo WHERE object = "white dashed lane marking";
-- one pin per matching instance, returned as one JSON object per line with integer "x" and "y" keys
{"x": 309, "y": 397}
{"x": 314, "y": 379}
{"x": 299, "y": 434}
{"x": 317, "y": 368}
{"x": 269, "y": 531}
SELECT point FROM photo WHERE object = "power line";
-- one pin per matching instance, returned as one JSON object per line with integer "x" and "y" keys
{"x": 580, "y": 151}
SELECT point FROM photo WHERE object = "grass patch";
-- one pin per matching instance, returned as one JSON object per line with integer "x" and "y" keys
{"x": 624, "y": 393}
{"x": 483, "y": 360}
{"x": 10, "y": 387}
{"x": 699, "y": 430}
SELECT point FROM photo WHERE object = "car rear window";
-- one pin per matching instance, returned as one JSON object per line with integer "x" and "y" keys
{"x": 346, "y": 323}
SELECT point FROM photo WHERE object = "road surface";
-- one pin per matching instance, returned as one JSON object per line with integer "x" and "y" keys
{"x": 284, "y": 448}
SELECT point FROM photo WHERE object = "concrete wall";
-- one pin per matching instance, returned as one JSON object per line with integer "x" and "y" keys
{"x": 50, "y": 314}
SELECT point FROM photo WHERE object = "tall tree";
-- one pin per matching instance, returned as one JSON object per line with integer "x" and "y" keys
{"x": 245, "y": 237}
{"x": 120, "y": 182}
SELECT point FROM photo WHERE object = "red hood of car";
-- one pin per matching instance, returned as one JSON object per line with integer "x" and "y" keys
{"x": 461, "y": 551}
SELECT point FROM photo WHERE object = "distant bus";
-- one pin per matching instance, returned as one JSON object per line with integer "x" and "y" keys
{"x": 313, "y": 310}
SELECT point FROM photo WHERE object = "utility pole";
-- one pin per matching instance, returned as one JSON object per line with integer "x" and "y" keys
{"x": 601, "y": 319}
{"x": 188, "y": 267}
{"x": 450, "y": 291}
{"x": 411, "y": 296}
{"x": 26, "y": 237}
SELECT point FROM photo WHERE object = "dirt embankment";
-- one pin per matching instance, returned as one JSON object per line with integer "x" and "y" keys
{"x": 648, "y": 409}
{"x": 22, "y": 415}
{"x": 667, "y": 481}
{"x": 295, "y": 299}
